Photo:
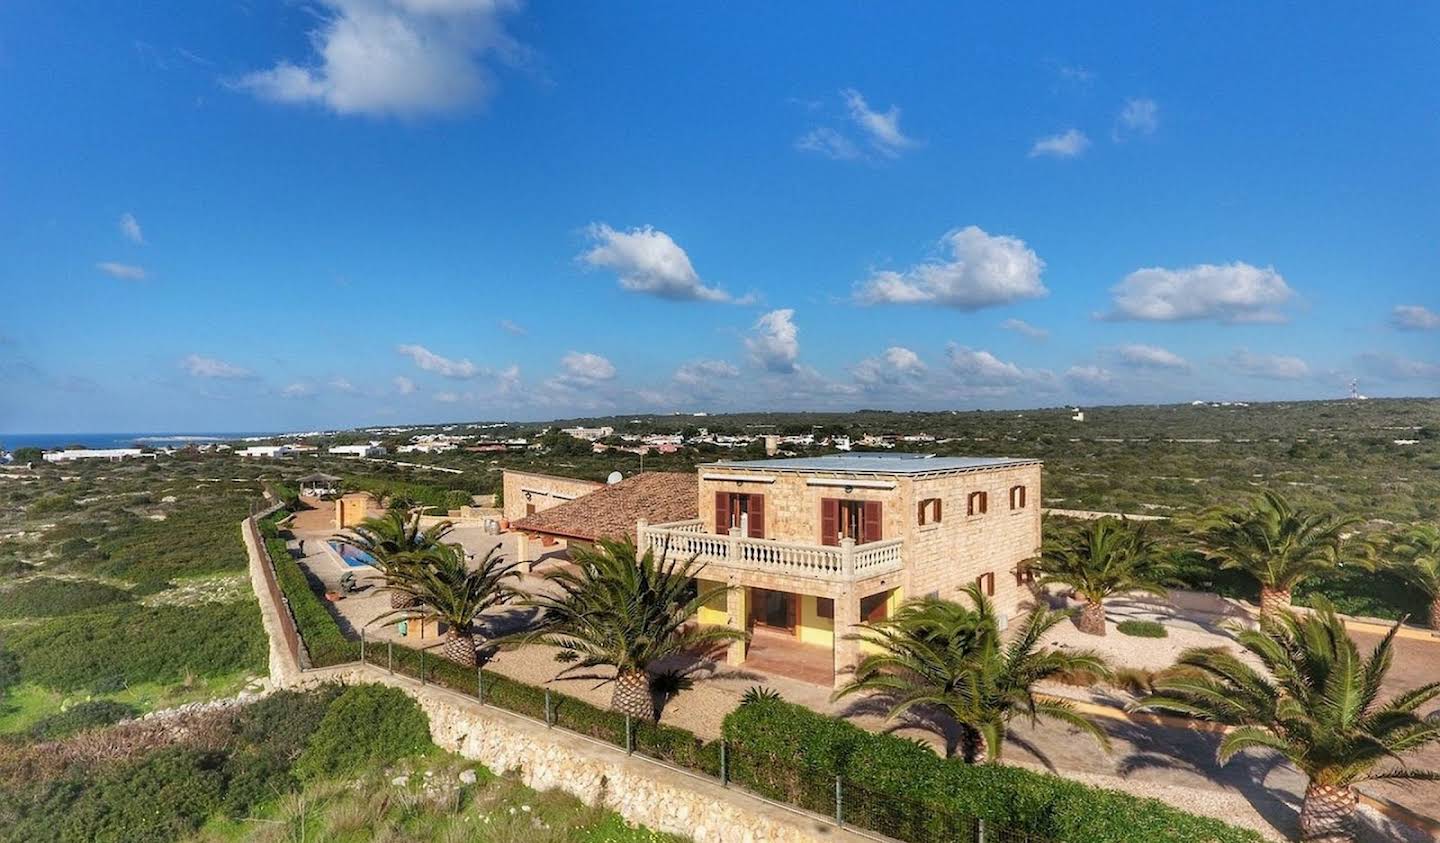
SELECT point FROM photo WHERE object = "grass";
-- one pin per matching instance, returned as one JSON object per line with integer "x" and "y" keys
{"x": 1142, "y": 629}
{"x": 29, "y": 703}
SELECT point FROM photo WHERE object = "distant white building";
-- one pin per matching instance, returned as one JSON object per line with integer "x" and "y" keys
{"x": 373, "y": 449}
{"x": 273, "y": 451}
{"x": 423, "y": 448}
{"x": 589, "y": 433}
{"x": 1077, "y": 414}
{"x": 112, "y": 454}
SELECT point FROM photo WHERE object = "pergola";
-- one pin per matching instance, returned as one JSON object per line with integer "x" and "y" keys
{"x": 317, "y": 484}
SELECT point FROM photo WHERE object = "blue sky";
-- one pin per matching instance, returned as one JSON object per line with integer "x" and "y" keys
{"x": 274, "y": 215}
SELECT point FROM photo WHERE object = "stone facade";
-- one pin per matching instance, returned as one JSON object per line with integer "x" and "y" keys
{"x": 541, "y": 491}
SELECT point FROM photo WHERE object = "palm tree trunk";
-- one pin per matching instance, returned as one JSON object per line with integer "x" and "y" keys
{"x": 1092, "y": 618}
{"x": 1327, "y": 814}
{"x": 972, "y": 743}
{"x": 460, "y": 646}
{"x": 1273, "y": 600}
{"x": 401, "y": 600}
{"x": 1435, "y": 612}
{"x": 632, "y": 695}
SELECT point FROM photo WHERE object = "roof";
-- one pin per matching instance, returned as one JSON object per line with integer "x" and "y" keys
{"x": 877, "y": 463}
{"x": 610, "y": 512}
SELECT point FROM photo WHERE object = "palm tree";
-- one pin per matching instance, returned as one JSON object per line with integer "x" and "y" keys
{"x": 442, "y": 586}
{"x": 1278, "y": 544}
{"x": 1316, "y": 703}
{"x": 941, "y": 655}
{"x": 627, "y": 612}
{"x": 1418, "y": 564}
{"x": 391, "y": 540}
{"x": 1104, "y": 558}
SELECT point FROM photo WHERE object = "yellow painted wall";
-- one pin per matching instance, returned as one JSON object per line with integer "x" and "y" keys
{"x": 891, "y": 605}
{"x": 813, "y": 628}
{"x": 713, "y": 611}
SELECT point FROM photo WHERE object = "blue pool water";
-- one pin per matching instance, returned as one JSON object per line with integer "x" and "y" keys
{"x": 352, "y": 555}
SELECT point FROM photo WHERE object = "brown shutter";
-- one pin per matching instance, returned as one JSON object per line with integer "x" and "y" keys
{"x": 722, "y": 513}
{"x": 757, "y": 516}
{"x": 938, "y": 503}
{"x": 829, "y": 520}
{"x": 870, "y": 529}
{"x": 920, "y": 513}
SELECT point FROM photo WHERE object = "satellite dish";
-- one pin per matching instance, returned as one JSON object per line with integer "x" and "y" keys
{"x": 615, "y": 477}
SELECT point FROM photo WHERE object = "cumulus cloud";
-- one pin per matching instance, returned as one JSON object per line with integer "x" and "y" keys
{"x": 344, "y": 385}
{"x": 881, "y": 128}
{"x": 704, "y": 372}
{"x": 404, "y": 385}
{"x": 649, "y": 261}
{"x": 200, "y": 366}
{"x": 1395, "y": 367}
{"x": 432, "y": 362}
{"x": 130, "y": 227}
{"x": 393, "y": 58}
{"x": 895, "y": 365}
{"x": 583, "y": 366}
{"x": 1269, "y": 366}
{"x": 297, "y": 390}
{"x": 980, "y": 270}
{"x": 774, "y": 341}
{"x": 1151, "y": 357}
{"x": 1020, "y": 326}
{"x": 1414, "y": 317}
{"x": 1140, "y": 116}
{"x": 1070, "y": 143}
{"x": 977, "y": 367}
{"x": 1236, "y": 292}
{"x": 1091, "y": 377}
{"x": 829, "y": 143}
{"x": 123, "y": 271}
{"x": 512, "y": 328}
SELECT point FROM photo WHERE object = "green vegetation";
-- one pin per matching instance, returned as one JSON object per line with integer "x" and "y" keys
{"x": 43, "y": 597}
{"x": 439, "y": 583}
{"x": 391, "y": 724}
{"x": 1417, "y": 564}
{"x": 1317, "y": 704}
{"x": 82, "y": 716}
{"x": 1142, "y": 629}
{"x": 1098, "y": 560}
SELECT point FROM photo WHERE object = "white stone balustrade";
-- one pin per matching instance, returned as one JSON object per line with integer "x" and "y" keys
{"x": 843, "y": 563}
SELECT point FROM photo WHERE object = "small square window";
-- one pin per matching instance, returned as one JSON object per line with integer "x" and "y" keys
{"x": 825, "y": 608}
{"x": 977, "y": 503}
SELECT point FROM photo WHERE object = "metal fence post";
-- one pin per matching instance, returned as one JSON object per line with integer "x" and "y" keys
{"x": 979, "y": 831}
{"x": 422, "y": 665}
{"x": 480, "y": 683}
{"x": 724, "y": 764}
{"x": 362, "y": 645}
{"x": 839, "y": 804}
{"x": 629, "y": 736}
{"x": 548, "y": 722}
{"x": 390, "y": 656}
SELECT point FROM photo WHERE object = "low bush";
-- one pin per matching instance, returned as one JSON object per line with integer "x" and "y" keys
{"x": 365, "y": 725}
{"x": 81, "y": 716}
{"x": 1142, "y": 629}
{"x": 791, "y": 753}
{"x": 190, "y": 541}
{"x": 324, "y": 641}
{"x": 43, "y": 597}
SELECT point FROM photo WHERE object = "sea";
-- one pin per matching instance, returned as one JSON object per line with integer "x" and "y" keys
{"x": 48, "y": 441}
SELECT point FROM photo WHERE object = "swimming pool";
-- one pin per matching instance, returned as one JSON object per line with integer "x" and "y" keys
{"x": 352, "y": 555}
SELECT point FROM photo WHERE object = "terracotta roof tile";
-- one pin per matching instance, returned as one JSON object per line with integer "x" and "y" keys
{"x": 610, "y": 512}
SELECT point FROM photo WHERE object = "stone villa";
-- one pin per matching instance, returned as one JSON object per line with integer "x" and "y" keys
{"x": 812, "y": 546}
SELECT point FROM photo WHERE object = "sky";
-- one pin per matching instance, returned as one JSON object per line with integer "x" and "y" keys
{"x": 288, "y": 215}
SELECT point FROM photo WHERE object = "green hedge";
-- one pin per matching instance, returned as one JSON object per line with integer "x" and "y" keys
{"x": 902, "y": 788}
{"x": 323, "y": 639}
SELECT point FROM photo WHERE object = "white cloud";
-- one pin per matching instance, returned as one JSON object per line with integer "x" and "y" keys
{"x": 1151, "y": 357}
{"x": 123, "y": 271}
{"x": 977, "y": 367}
{"x": 583, "y": 366}
{"x": 648, "y": 261}
{"x": 1140, "y": 116}
{"x": 432, "y": 362}
{"x": 297, "y": 390}
{"x": 1414, "y": 317}
{"x": 344, "y": 385}
{"x": 130, "y": 227}
{"x": 829, "y": 143}
{"x": 404, "y": 385}
{"x": 1236, "y": 292}
{"x": 1070, "y": 143}
{"x": 1020, "y": 326}
{"x": 895, "y": 365}
{"x": 447, "y": 397}
{"x": 980, "y": 271}
{"x": 512, "y": 328}
{"x": 1395, "y": 367}
{"x": 508, "y": 379}
{"x": 209, "y": 367}
{"x": 881, "y": 128}
{"x": 702, "y": 372}
{"x": 774, "y": 342}
{"x": 393, "y": 58}
{"x": 1093, "y": 377}
{"x": 1278, "y": 367}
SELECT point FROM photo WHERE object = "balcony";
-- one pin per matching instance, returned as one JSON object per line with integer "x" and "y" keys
{"x": 845, "y": 563}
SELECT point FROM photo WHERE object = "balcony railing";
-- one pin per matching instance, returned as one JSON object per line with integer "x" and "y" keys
{"x": 843, "y": 563}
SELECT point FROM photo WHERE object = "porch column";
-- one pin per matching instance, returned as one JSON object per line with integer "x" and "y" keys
{"x": 522, "y": 553}
{"x": 737, "y": 609}
{"x": 847, "y": 652}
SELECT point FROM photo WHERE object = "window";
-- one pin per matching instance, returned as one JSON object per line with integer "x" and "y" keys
{"x": 845, "y": 519}
{"x": 929, "y": 511}
{"x": 1017, "y": 497}
{"x": 986, "y": 582}
{"x": 876, "y": 607}
{"x": 529, "y": 509}
{"x": 977, "y": 503}
{"x": 825, "y": 608}
{"x": 1024, "y": 574}
{"x": 743, "y": 512}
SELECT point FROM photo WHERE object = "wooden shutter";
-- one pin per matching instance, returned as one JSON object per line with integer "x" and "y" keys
{"x": 722, "y": 513}
{"x": 829, "y": 520}
{"x": 757, "y": 516}
{"x": 938, "y": 503}
{"x": 870, "y": 526}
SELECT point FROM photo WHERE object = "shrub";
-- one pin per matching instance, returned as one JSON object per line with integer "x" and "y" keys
{"x": 81, "y": 716}
{"x": 366, "y": 725}
{"x": 323, "y": 639}
{"x": 1142, "y": 629}
{"x": 43, "y": 597}
{"x": 191, "y": 541}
